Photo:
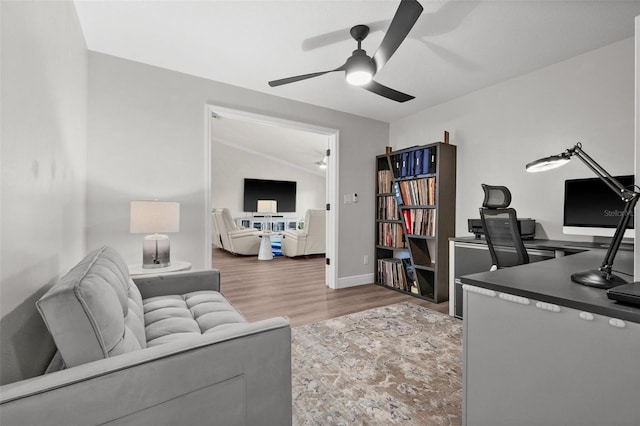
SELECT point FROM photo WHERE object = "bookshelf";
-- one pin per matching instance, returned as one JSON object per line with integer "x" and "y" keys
{"x": 415, "y": 217}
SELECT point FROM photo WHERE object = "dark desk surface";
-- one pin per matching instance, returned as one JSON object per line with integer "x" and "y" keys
{"x": 550, "y": 281}
{"x": 568, "y": 246}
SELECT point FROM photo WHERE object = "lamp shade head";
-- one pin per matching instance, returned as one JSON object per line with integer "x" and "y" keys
{"x": 154, "y": 217}
{"x": 267, "y": 206}
{"x": 547, "y": 163}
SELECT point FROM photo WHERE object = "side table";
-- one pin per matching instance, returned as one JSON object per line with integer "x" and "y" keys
{"x": 265, "y": 252}
{"x": 174, "y": 266}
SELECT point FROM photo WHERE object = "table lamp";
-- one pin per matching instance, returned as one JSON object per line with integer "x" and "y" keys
{"x": 154, "y": 217}
{"x": 601, "y": 277}
{"x": 267, "y": 208}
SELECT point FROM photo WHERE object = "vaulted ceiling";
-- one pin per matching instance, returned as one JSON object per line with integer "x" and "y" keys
{"x": 456, "y": 47}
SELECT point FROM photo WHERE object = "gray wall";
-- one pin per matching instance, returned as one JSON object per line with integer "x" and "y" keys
{"x": 44, "y": 100}
{"x": 589, "y": 98}
{"x": 147, "y": 140}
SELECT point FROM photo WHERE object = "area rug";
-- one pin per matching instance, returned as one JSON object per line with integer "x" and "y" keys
{"x": 397, "y": 364}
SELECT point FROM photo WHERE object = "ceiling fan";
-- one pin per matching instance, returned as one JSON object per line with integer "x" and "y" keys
{"x": 360, "y": 68}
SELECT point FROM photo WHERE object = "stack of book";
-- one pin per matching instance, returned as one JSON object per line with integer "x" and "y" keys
{"x": 418, "y": 192}
{"x": 396, "y": 273}
{"x": 384, "y": 181}
{"x": 390, "y": 235}
{"x": 420, "y": 221}
{"x": 414, "y": 163}
{"x": 387, "y": 208}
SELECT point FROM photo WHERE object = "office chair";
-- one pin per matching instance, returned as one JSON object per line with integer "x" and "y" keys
{"x": 500, "y": 225}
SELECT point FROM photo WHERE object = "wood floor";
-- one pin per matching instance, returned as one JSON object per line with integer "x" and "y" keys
{"x": 295, "y": 288}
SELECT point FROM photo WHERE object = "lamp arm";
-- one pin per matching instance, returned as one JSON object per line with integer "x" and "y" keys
{"x": 609, "y": 180}
{"x": 607, "y": 264}
{"x": 630, "y": 196}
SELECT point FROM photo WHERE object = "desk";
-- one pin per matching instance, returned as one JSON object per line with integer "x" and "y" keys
{"x": 468, "y": 255}
{"x": 541, "y": 349}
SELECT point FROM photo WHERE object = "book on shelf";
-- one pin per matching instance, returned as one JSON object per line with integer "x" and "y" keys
{"x": 387, "y": 208}
{"x": 392, "y": 272}
{"x": 417, "y": 168}
{"x": 384, "y": 181}
{"x": 420, "y": 221}
{"x": 409, "y": 274}
{"x": 391, "y": 235}
{"x": 404, "y": 162}
{"x": 418, "y": 192}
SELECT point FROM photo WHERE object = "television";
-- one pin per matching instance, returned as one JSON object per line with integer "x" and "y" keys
{"x": 284, "y": 192}
{"x": 592, "y": 208}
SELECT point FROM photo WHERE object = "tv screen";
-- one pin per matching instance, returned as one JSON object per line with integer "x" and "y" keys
{"x": 592, "y": 208}
{"x": 284, "y": 192}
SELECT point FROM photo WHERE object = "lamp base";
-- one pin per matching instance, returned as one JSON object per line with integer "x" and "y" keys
{"x": 156, "y": 251}
{"x": 598, "y": 279}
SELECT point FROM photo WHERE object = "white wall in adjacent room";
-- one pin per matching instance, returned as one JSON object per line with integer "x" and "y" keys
{"x": 44, "y": 130}
{"x": 227, "y": 188}
{"x": 588, "y": 98}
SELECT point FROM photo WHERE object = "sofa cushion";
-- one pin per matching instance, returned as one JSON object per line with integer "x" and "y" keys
{"x": 95, "y": 311}
{"x": 172, "y": 317}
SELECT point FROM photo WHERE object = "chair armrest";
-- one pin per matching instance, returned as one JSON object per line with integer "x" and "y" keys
{"x": 177, "y": 282}
{"x": 236, "y": 375}
{"x": 248, "y": 232}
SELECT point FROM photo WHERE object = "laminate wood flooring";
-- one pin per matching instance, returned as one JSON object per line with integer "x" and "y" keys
{"x": 295, "y": 288}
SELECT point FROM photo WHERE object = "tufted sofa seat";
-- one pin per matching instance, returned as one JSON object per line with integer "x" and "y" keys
{"x": 154, "y": 350}
{"x": 168, "y": 318}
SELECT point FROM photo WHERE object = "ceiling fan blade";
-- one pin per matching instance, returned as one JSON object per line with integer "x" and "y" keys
{"x": 288, "y": 80}
{"x": 406, "y": 16}
{"x": 387, "y": 92}
{"x": 337, "y": 36}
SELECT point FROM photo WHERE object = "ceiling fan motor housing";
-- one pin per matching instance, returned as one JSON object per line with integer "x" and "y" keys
{"x": 359, "y": 68}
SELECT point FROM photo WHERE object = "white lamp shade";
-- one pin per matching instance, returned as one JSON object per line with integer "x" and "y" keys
{"x": 267, "y": 206}
{"x": 154, "y": 217}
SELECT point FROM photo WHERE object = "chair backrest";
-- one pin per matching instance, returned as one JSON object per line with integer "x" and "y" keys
{"x": 315, "y": 228}
{"x": 223, "y": 230}
{"x": 500, "y": 225}
{"x": 215, "y": 230}
{"x": 229, "y": 223}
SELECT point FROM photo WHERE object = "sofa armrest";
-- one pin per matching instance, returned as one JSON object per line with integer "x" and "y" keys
{"x": 177, "y": 282}
{"x": 238, "y": 375}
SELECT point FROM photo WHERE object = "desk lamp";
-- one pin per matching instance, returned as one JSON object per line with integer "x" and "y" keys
{"x": 154, "y": 217}
{"x": 601, "y": 277}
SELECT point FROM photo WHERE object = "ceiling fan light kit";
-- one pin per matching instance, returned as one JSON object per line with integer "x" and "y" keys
{"x": 360, "y": 68}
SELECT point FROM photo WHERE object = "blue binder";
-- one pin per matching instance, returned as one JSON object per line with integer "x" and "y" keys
{"x": 403, "y": 165}
{"x": 417, "y": 168}
{"x": 411, "y": 163}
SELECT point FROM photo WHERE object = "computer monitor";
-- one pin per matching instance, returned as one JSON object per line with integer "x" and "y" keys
{"x": 592, "y": 208}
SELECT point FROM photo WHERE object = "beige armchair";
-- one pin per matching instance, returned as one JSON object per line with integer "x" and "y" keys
{"x": 310, "y": 240}
{"x": 230, "y": 237}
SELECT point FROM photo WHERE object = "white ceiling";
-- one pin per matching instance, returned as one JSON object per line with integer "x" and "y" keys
{"x": 456, "y": 47}
{"x": 290, "y": 147}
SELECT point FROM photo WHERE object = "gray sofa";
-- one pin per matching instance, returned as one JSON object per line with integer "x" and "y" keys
{"x": 157, "y": 350}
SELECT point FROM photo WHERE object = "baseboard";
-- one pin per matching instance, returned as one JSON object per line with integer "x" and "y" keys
{"x": 355, "y": 280}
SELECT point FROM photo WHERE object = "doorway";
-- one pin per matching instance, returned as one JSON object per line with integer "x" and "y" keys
{"x": 214, "y": 113}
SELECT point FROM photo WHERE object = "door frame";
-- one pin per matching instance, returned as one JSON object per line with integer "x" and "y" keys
{"x": 331, "y": 178}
